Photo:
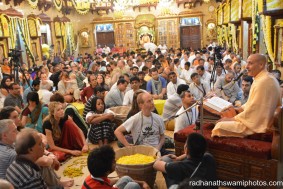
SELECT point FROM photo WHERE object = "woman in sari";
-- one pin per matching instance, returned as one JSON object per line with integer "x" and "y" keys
{"x": 26, "y": 80}
{"x": 62, "y": 133}
{"x": 34, "y": 112}
{"x": 4, "y": 89}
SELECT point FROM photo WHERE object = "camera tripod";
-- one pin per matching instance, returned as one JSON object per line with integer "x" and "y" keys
{"x": 15, "y": 60}
{"x": 217, "y": 62}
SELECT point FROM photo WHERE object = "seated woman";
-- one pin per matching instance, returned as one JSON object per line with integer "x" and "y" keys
{"x": 62, "y": 133}
{"x": 135, "y": 107}
{"x": 72, "y": 111}
{"x": 26, "y": 81}
{"x": 101, "y": 82}
{"x": 64, "y": 87}
{"x": 34, "y": 112}
{"x": 101, "y": 130}
{"x": 4, "y": 89}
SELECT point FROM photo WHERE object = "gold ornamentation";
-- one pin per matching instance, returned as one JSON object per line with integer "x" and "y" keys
{"x": 4, "y": 21}
{"x": 58, "y": 30}
{"x": 118, "y": 14}
{"x": 81, "y": 6}
{"x": 260, "y": 5}
{"x": 246, "y": 8}
{"x": 266, "y": 26}
{"x": 33, "y": 3}
{"x": 58, "y": 4}
{"x": 234, "y": 38}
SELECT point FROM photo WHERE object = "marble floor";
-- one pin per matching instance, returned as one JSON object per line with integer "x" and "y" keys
{"x": 82, "y": 160}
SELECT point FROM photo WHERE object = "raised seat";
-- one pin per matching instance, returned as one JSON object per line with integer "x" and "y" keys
{"x": 252, "y": 158}
{"x": 246, "y": 146}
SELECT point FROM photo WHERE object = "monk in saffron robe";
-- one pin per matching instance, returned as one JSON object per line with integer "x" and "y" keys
{"x": 257, "y": 114}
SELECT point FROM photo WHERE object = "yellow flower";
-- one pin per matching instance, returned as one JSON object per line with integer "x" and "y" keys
{"x": 135, "y": 159}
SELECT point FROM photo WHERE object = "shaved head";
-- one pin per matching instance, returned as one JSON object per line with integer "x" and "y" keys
{"x": 255, "y": 64}
{"x": 260, "y": 58}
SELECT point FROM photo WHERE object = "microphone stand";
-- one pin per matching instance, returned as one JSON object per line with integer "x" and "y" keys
{"x": 189, "y": 108}
{"x": 198, "y": 123}
{"x": 201, "y": 115}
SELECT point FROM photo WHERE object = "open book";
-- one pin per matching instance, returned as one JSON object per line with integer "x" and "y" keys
{"x": 217, "y": 103}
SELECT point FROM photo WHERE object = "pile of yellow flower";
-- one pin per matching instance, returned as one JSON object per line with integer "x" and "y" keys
{"x": 135, "y": 159}
{"x": 75, "y": 169}
{"x": 73, "y": 172}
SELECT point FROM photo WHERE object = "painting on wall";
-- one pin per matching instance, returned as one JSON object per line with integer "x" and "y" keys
{"x": 84, "y": 38}
{"x": 58, "y": 48}
{"x": 34, "y": 50}
{"x": 2, "y": 54}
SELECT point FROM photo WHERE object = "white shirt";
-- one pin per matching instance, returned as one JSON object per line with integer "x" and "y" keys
{"x": 114, "y": 86}
{"x": 191, "y": 59}
{"x": 227, "y": 56}
{"x": 106, "y": 50}
{"x": 106, "y": 111}
{"x": 44, "y": 95}
{"x": 150, "y": 47}
{"x": 185, "y": 119}
{"x": 182, "y": 63}
{"x": 172, "y": 88}
{"x": 186, "y": 75}
{"x": 146, "y": 130}
{"x": 205, "y": 77}
{"x": 197, "y": 91}
{"x": 128, "y": 98}
{"x": 163, "y": 48}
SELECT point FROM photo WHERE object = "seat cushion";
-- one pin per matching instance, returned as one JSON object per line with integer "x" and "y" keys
{"x": 245, "y": 146}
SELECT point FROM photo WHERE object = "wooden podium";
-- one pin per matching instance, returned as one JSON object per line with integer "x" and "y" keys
{"x": 212, "y": 116}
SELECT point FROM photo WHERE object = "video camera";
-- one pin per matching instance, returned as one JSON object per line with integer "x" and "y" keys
{"x": 217, "y": 52}
{"x": 15, "y": 54}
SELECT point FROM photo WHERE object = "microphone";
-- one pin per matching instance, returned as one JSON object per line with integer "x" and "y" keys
{"x": 241, "y": 74}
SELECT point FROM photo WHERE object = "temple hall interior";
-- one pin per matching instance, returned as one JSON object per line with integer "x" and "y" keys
{"x": 81, "y": 72}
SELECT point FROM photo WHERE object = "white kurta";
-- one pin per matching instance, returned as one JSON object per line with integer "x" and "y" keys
{"x": 172, "y": 88}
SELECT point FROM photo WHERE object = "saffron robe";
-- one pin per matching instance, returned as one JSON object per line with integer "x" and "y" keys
{"x": 258, "y": 112}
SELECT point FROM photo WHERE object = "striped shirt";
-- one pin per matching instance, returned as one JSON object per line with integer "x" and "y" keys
{"x": 25, "y": 174}
{"x": 87, "y": 106}
{"x": 7, "y": 156}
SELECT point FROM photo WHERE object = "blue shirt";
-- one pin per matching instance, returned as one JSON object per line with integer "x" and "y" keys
{"x": 149, "y": 85}
{"x": 26, "y": 94}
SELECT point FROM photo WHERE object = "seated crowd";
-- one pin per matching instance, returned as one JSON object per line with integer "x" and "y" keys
{"x": 37, "y": 114}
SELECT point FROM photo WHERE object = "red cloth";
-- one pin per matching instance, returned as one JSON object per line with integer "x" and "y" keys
{"x": 71, "y": 138}
{"x": 246, "y": 146}
{"x": 96, "y": 184}
{"x": 87, "y": 92}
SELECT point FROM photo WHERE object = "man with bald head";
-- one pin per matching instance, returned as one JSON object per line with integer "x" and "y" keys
{"x": 23, "y": 172}
{"x": 146, "y": 127}
{"x": 257, "y": 113}
{"x": 227, "y": 89}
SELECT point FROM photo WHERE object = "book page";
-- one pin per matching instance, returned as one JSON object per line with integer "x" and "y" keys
{"x": 218, "y": 104}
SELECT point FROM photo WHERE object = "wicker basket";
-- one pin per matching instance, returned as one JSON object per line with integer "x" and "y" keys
{"x": 144, "y": 172}
{"x": 121, "y": 112}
